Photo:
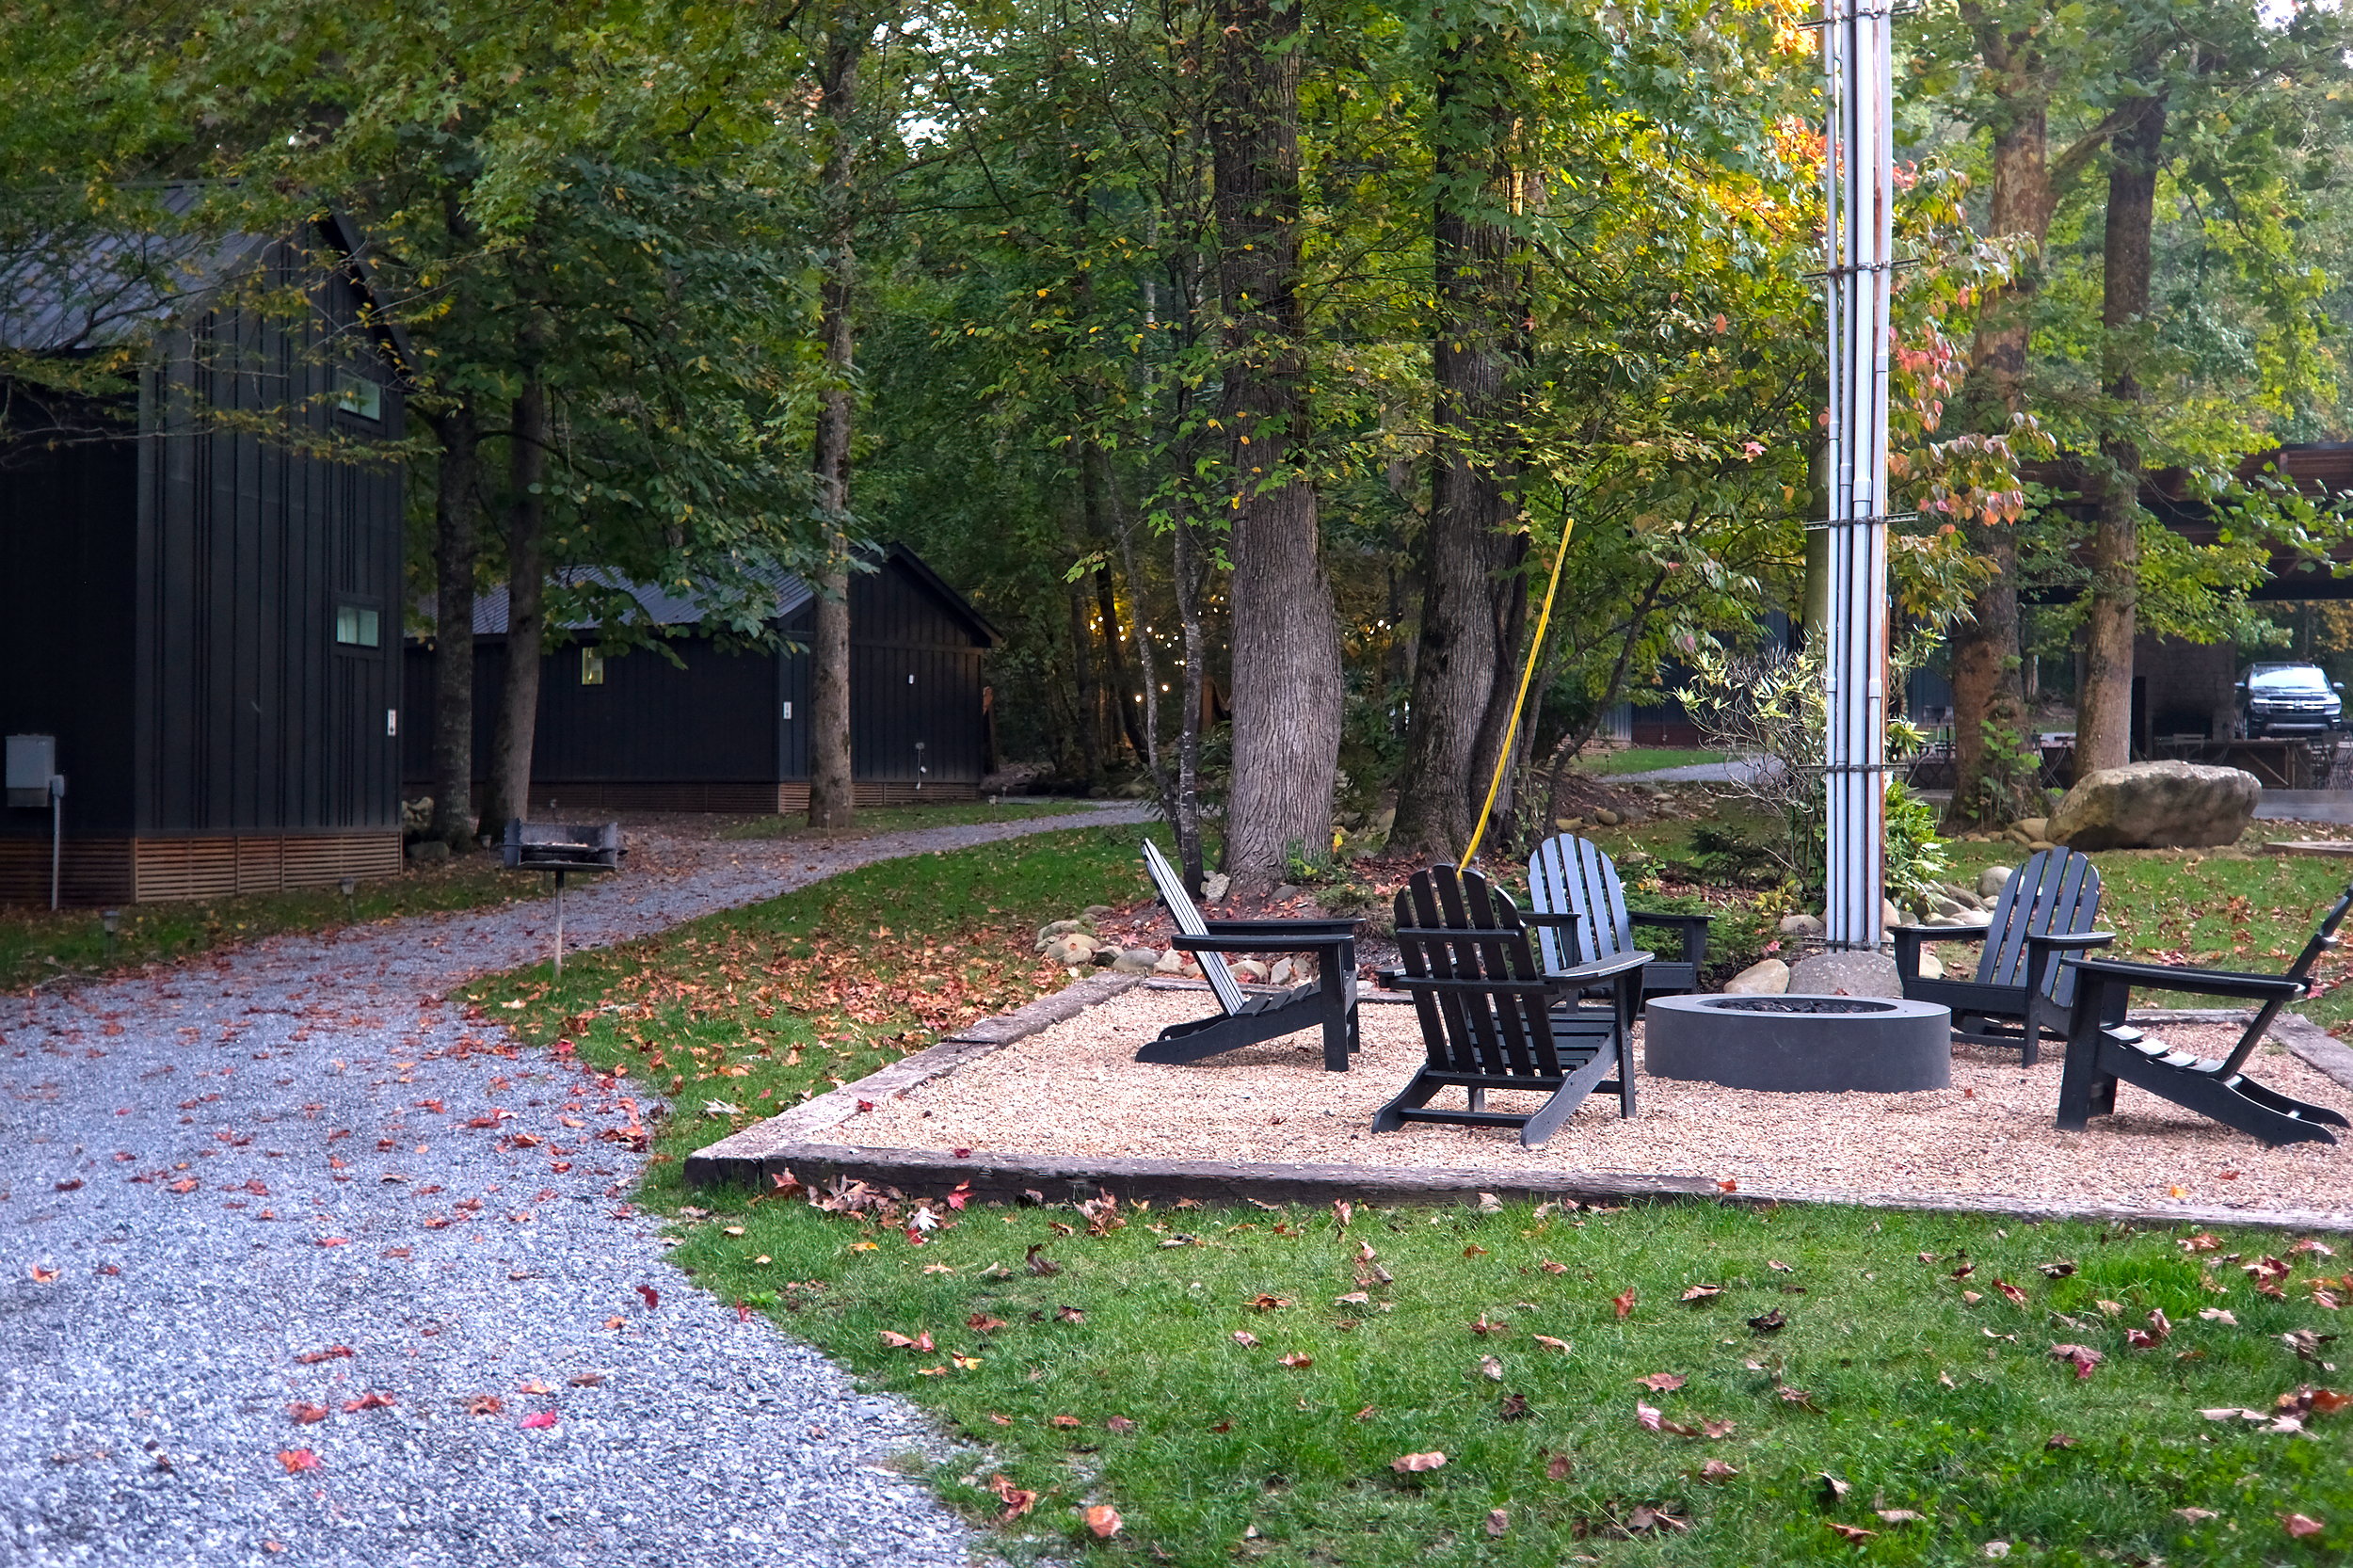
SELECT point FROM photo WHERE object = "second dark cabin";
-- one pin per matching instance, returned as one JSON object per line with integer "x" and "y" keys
{"x": 727, "y": 728}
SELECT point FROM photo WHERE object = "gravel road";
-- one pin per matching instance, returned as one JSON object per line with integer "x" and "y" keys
{"x": 293, "y": 1182}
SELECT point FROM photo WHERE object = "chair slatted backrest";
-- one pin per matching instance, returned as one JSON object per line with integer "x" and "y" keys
{"x": 2056, "y": 890}
{"x": 1569, "y": 875}
{"x": 1484, "y": 1006}
{"x": 1181, "y": 910}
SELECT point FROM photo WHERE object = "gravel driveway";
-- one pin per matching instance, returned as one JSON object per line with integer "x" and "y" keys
{"x": 291, "y": 1181}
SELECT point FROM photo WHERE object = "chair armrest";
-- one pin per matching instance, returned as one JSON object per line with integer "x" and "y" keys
{"x": 1941, "y": 933}
{"x": 2053, "y": 941}
{"x": 1270, "y": 942}
{"x": 1277, "y": 928}
{"x": 1602, "y": 969}
{"x": 1641, "y": 917}
{"x": 1549, "y": 921}
{"x": 2203, "y": 983}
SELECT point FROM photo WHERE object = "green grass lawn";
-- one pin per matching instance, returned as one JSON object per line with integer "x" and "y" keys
{"x": 1091, "y": 1360}
{"x": 1241, "y": 1384}
{"x": 1645, "y": 759}
{"x": 36, "y": 945}
{"x": 891, "y": 819}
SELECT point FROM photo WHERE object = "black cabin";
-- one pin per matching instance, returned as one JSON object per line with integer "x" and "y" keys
{"x": 202, "y": 610}
{"x": 725, "y": 728}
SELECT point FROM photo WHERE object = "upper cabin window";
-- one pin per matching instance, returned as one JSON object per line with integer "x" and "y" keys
{"x": 356, "y": 626}
{"x": 359, "y": 396}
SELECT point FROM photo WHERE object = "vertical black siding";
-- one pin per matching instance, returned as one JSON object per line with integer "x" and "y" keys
{"x": 66, "y": 632}
{"x": 915, "y": 675}
{"x": 711, "y": 717}
{"x": 251, "y": 717}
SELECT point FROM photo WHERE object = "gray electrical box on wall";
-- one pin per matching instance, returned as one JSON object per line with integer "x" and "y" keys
{"x": 32, "y": 763}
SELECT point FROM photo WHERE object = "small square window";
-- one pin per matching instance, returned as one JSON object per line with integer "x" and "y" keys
{"x": 591, "y": 667}
{"x": 356, "y": 395}
{"x": 356, "y": 626}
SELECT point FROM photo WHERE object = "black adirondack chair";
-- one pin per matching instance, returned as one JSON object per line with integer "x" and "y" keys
{"x": 2048, "y": 907}
{"x": 1581, "y": 917}
{"x": 1244, "y": 1019}
{"x": 2100, "y": 1050}
{"x": 1488, "y": 1016}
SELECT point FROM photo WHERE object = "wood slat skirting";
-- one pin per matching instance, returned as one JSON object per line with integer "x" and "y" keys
{"x": 91, "y": 871}
{"x": 108, "y": 872}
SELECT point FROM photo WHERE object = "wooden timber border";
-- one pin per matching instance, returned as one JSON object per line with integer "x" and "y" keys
{"x": 795, "y": 1142}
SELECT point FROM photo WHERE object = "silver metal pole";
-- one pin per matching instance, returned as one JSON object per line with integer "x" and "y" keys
{"x": 1859, "y": 233}
{"x": 559, "y": 925}
{"x": 57, "y": 836}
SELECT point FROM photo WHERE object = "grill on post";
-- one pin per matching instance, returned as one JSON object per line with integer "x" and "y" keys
{"x": 563, "y": 848}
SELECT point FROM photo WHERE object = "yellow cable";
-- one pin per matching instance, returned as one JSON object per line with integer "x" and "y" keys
{"x": 1512, "y": 731}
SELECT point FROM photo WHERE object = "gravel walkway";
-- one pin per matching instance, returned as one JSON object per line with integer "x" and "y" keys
{"x": 1076, "y": 1089}
{"x": 291, "y": 1179}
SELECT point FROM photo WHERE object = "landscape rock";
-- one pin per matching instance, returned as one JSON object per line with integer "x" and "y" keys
{"x": 1992, "y": 880}
{"x": 1846, "y": 974}
{"x": 1097, "y": 911}
{"x": 1800, "y": 926}
{"x": 1286, "y": 972}
{"x": 1214, "y": 886}
{"x": 1768, "y": 978}
{"x": 1931, "y": 967}
{"x": 1135, "y": 960}
{"x": 1606, "y": 817}
{"x": 428, "y": 852}
{"x": 1889, "y": 914}
{"x": 1252, "y": 971}
{"x": 1174, "y": 962}
{"x": 2156, "y": 805}
{"x": 1940, "y": 904}
{"x": 1070, "y": 948}
{"x": 2033, "y": 827}
{"x": 1052, "y": 929}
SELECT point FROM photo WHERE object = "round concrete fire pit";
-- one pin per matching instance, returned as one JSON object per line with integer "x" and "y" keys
{"x": 1802, "y": 1044}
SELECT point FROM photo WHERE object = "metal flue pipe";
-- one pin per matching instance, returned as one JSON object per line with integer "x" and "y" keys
{"x": 1858, "y": 174}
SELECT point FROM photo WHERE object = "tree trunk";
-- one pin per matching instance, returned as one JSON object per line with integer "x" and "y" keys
{"x": 831, "y": 794}
{"x": 1463, "y": 676}
{"x": 1191, "y": 581}
{"x": 1124, "y": 701}
{"x": 1995, "y": 773}
{"x": 1090, "y": 694}
{"x": 509, "y": 794}
{"x": 1288, "y": 692}
{"x": 456, "y": 546}
{"x": 2104, "y": 715}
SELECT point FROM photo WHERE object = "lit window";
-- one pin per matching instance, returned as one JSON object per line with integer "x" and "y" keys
{"x": 356, "y": 626}
{"x": 356, "y": 395}
{"x": 591, "y": 667}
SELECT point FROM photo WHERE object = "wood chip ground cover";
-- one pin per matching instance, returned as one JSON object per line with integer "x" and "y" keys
{"x": 1076, "y": 1089}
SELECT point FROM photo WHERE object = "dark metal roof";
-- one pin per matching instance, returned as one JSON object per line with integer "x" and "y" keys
{"x": 85, "y": 289}
{"x": 660, "y": 605}
{"x": 685, "y": 606}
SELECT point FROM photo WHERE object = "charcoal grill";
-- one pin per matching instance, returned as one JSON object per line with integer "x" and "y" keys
{"x": 563, "y": 848}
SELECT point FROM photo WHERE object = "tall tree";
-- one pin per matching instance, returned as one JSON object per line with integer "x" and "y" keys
{"x": 2104, "y": 714}
{"x": 508, "y": 798}
{"x": 1287, "y": 690}
{"x": 832, "y": 802}
{"x": 1473, "y": 601}
{"x": 456, "y": 549}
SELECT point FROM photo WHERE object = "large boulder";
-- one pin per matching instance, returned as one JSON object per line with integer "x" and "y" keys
{"x": 2155, "y": 805}
{"x": 1846, "y": 974}
{"x": 1768, "y": 977}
